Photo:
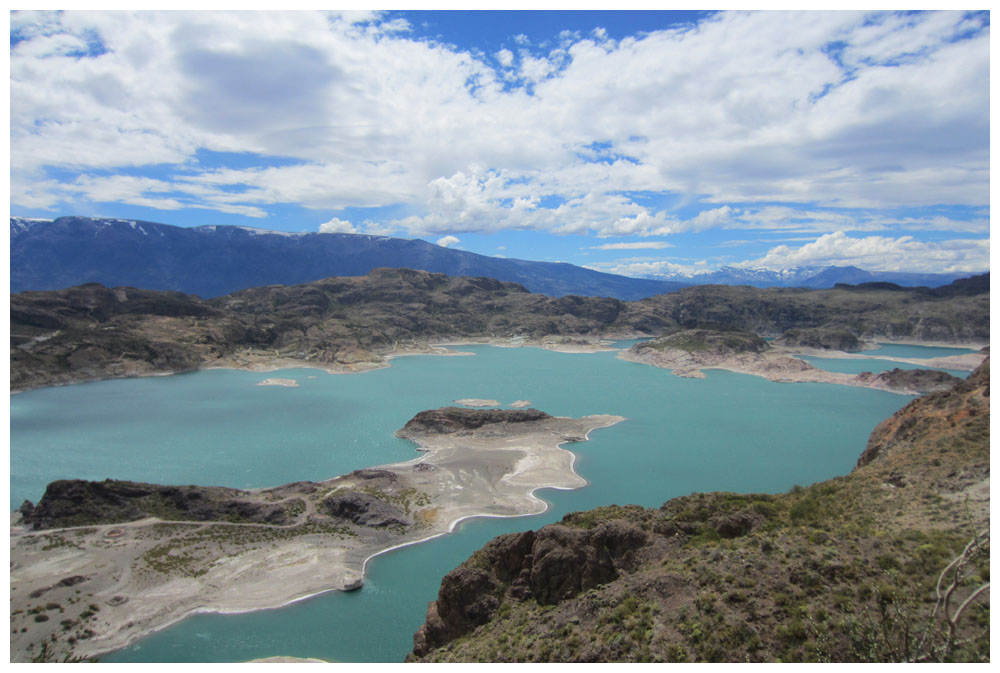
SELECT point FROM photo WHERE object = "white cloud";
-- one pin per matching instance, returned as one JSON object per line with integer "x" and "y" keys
{"x": 877, "y": 253}
{"x": 644, "y": 268}
{"x": 337, "y": 226}
{"x": 446, "y": 241}
{"x": 750, "y": 108}
{"x": 649, "y": 245}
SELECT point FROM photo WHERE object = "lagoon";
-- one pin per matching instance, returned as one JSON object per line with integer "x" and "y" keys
{"x": 724, "y": 432}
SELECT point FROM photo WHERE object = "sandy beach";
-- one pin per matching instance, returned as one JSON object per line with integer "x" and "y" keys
{"x": 100, "y": 587}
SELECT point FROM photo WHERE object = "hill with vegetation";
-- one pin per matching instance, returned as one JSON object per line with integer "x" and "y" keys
{"x": 888, "y": 563}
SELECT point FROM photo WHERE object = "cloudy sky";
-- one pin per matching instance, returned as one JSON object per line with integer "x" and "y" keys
{"x": 632, "y": 142}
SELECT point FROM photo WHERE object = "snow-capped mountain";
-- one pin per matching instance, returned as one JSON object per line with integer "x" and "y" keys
{"x": 810, "y": 277}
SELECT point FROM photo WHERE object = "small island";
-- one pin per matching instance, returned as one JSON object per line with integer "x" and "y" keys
{"x": 97, "y": 565}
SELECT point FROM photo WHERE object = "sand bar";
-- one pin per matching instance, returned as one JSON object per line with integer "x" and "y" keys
{"x": 287, "y": 383}
{"x": 476, "y": 402}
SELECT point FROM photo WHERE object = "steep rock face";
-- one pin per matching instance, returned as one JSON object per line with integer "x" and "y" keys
{"x": 75, "y": 502}
{"x": 458, "y": 419}
{"x": 550, "y": 565}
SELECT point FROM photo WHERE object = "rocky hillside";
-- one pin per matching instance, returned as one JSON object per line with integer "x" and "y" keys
{"x": 75, "y": 502}
{"x": 93, "y": 332}
{"x": 958, "y": 312}
{"x": 889, "y": 563}
{"x": 458, "y": 419}
{"x": 715, "y": 341}
{"x": 822, "y": 338}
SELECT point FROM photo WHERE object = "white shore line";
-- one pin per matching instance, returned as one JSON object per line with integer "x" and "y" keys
{"x": 452, "y": 527}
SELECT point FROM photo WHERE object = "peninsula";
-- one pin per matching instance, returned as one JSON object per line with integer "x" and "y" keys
{"x": 688, "y": 352}
{"x": 96, "y": 565}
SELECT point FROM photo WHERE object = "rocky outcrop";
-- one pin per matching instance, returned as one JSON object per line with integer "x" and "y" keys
{"x": 457, "y": 419}
{"x": 364, "y": 509}
{"x": 550, "y": 565}
{"x": 913, "y": 381}
{"x": 707, "y": 341}
{"x": 967, "y": 403}
{"x": 724, "y": 577}
{"x": 821, "y": 338}
{"x": 76, "y": 502}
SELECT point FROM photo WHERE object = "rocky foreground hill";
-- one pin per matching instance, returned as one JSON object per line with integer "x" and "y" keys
{"x": 94, "y": 332}
{"x": 888, "y": 563}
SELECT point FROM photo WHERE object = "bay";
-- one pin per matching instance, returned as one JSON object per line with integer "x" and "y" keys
{"x": 725, "y": 432}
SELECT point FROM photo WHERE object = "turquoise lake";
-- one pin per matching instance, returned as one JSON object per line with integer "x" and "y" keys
{"x": 725, "y": 432}
{"x": 876, "y": 364}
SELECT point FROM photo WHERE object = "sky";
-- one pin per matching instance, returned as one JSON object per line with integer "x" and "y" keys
{"x": 642, "y": 143}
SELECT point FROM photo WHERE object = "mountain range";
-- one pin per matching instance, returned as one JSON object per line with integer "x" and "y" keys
{"x": 814, "y": 277}
{"x": 211, "y": 261}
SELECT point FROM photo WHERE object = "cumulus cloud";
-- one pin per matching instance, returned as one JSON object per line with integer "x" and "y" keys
{"x": 878, "y": 253}
{"x": 826, "y": 113}
{"x": 337, "y": 226}
{"x": 648, "y": 245}
{"x": 449, "y": 240}
{"x": 646, "y": 268}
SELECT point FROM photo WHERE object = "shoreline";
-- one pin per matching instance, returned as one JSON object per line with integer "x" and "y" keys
{"x": 519, "y": 464}
{"x": 783, "y": 365}
{"x": 267, "y": 364}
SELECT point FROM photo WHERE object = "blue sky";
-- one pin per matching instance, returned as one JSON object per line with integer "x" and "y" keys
{"x": 643, "y": 143}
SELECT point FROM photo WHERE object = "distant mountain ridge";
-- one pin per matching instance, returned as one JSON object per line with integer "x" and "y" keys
{"x": 211, "y": 261}
{"x": 813, "y": 277}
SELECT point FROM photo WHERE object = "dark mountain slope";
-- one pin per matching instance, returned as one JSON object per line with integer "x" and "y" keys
{"x": 955, "y": 312}
{"x": 845, "y": 570}
{"x": 216, "y": 260}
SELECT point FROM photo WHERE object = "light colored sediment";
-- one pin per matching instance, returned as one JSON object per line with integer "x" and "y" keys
{"x": 520, "y": 404}
{"x": 475, "y": 402}
{"x": 965, "y": 361}
{"x": 560, "y": 344}
{"x": 777, "y": 364}
{"x": 166, "y": 571}
{"x": 287, "y": 383}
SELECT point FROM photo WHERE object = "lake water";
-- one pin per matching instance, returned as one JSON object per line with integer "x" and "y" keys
{"x": 875, "y": 364}
{"x": 725, "y": 432}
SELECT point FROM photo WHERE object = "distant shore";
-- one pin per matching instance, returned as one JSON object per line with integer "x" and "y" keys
{"x": 783, "y": 364}
{"x": 268, "y": 361}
